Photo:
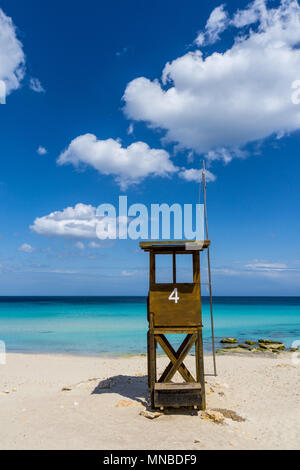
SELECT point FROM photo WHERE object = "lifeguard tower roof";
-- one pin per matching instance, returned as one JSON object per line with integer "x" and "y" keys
{"x": 175, "y": 245}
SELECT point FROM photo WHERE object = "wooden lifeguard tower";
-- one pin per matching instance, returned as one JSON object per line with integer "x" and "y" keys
{"x": 175, "y": 308}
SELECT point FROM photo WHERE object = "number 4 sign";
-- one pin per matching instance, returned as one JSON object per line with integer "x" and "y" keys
{"x": 174, "y": 296}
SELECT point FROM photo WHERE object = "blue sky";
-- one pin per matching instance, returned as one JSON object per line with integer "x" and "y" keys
{"x": 96, "y": 68}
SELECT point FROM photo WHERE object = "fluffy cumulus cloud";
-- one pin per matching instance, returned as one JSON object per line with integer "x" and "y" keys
{"x": 41, "y": 150}
{"x": 12, "y": 59}
{"x": 26, "y": 248}
{"x": 216, "y": 104}
{"x": 79, "y": 221}
{"x": 128, "y": 165}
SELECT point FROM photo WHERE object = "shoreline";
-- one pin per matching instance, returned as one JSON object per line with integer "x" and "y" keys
{"x": 133, "y": 355}
{"x": 223, "y": 346}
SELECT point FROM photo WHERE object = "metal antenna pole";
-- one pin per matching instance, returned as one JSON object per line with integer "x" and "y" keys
{"x": 209, "y": 273}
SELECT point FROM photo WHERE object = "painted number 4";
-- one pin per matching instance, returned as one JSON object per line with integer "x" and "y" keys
{"x": 174, "y": 296}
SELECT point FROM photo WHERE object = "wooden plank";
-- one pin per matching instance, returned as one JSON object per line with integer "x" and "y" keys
{"x": 162, "y": 249}
{"x": 152, "y": 269}
{"x": 152, "y": 360}
{"x": 197, "y": 358}
{"x": 177, "y": 386}
{"x": 175, "y": 330}
{"x": 174, "y": 267}
{"x": 152, "y": 366}
{"x": 157, "y": 243}
{"x": 173, "y": 356}
{"x": 196, "y": 268}
{"x": 177, "y": 398}
{"x": 200, "y": 367}
{"x": 148, "y": 311}
{"x": 148, "y": 360}
{"x": 186, "y": 287}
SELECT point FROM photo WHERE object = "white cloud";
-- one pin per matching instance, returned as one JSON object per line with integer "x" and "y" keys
{"x": 130, "y": 129}
{"x": 226, "y": 155}
{"x": 94, "y": 245}
{"x": 226, "y": 271}
{"x": 74, "y": 222}
{"x": 270, "y": 270}
{"x": 193, "y": 174}
{"x": 78, "y": 222}
{"x": 128, "y": 165}
{"x": 80, "y": 246}
{"x": 267, "y": 266}
{"x": 216, "y": 24}
{"x": 12, "y": 58}
{"x": 36, "y": 85}
{"x": 57, "y": 271}
{"x": 260, "y": 269}
{"x": 217, "y": 104}
{"x": 41, "y": 150}
{"x": 128, "y": 273}
{"x": 252, "y": 14}
{"x": 26, "y": 248}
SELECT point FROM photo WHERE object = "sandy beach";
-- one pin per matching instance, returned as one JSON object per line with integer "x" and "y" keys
{"x": 75, "y": 402}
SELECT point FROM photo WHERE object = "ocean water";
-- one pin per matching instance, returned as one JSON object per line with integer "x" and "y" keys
{"x": 118, "y": 325}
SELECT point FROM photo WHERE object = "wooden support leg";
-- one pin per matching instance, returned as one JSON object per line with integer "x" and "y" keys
{"x": 151, "y": 365}
{"x": 200, "y": 367}
{"x": 148, "y": 358}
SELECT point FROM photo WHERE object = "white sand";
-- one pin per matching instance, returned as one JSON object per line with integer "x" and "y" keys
{"x": 36, "y": 414}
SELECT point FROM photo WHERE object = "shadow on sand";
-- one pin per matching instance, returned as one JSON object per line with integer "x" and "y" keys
{"x": 134, "y": 388}
{"x": 129, "y": 386}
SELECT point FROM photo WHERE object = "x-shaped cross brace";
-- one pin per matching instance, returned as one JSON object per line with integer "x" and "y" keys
{"x": 176, "y": 357}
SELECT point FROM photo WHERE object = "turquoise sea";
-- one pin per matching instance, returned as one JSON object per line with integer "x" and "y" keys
{"x": 118, "y": 325}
